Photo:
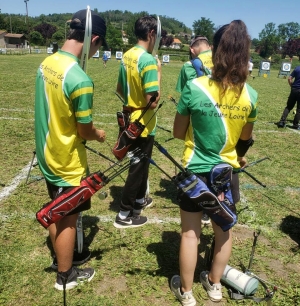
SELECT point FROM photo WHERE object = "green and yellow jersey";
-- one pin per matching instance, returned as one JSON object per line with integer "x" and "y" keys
{"x": 216, "y": 121}
{"x": 63, "y": 97}
{"x": 188, "y": 71}
{"x": 137, "y": 76}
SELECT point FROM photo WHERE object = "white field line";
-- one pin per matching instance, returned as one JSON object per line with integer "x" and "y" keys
{"x": 110, "y": 219}
{"x": 15, "y": 181}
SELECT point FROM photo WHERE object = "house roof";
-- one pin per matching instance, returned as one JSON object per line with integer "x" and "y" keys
{"x": 14, "y": 35}
{"x": 176, "y": 41}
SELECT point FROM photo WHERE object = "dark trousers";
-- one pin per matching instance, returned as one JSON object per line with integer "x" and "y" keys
{"x": 136, "y": 182}
{"x": 293, "y": 98}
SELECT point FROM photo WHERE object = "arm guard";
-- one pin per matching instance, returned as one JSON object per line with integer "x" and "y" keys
{"x": 242, "y": 146}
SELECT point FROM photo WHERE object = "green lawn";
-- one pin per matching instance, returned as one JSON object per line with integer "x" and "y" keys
{"x": 133, "y": 266}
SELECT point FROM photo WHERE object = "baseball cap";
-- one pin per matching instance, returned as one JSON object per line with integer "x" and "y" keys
{"x": 98, "y": 24}
{"x": 196, "y": 38}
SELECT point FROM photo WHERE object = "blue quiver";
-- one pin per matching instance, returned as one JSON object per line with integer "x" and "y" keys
{"x": 219, "y": 184}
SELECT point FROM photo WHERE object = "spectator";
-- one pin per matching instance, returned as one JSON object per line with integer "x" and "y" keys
{"x": 294, "y": 97}
{"x": 104, "y": 59}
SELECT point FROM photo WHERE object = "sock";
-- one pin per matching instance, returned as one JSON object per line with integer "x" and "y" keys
{"x": 182, "y": 293}
{"x": 140, "y": 201}
{"x": 123, "y": 214}
{"x": 210, "y": 282}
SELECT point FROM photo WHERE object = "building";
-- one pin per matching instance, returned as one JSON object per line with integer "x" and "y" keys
{"x": 176, "y": 44}
{"x": 2, "y": 38}
{"x": 15, "y": 40}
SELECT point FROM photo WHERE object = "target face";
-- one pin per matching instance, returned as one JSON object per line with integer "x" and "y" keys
{"x": 286, "y": 67}
{"x": 119, "y": 55}
{"x": 108, "y": 54}
{"x": 96, "y": 55}
{"x": 265, "y": 65}
{"x": 166, "y": 58}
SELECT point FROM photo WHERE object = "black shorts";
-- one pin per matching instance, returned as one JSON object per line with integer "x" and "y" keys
{"x": 54, "y": 191}
{"x": 189, "y": 206}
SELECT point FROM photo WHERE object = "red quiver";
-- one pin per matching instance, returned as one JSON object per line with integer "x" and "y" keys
{"x": 126, "y": 139}
{"x": 70, "y": 199}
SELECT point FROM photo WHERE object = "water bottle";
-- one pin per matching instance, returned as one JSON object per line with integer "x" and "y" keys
{"x": 240, "y": 281}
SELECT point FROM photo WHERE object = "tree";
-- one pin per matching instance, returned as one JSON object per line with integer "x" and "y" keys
{"x": 289, "y": 30}
{"x": 204, "y": 27}
{"x": 269, "y": 40}
{"x": 254, "y": 43}
{"x": 59, "y": 37}
{"x": 46, "y": 29}
{"x": 166, "y": 40}
{"x": 291, "y": 48}
{"x": 114, "y": 38}
{"x": 36, "y": 38}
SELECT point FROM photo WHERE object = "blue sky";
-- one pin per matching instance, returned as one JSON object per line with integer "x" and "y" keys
{"x": 255, "y": 13}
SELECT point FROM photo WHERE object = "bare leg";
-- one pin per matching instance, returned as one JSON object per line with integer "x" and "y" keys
{"x": 63, "y": 235}
{"x": 222, "y": 252}
{"x": 188, "y": 255}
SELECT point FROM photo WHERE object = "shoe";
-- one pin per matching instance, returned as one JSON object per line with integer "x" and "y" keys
{"x": 186, "y": 298}
{"x": 214, "y": 291}
{"x": 78, "y": 259}
{"x": 133, "y": 220}
{"x": 205, "y": 219}
{"x": 281, "y": 124}
{"x": 77, "y": 276}
{"x": 295, "y": 127}
{"x": 138, "y": 207}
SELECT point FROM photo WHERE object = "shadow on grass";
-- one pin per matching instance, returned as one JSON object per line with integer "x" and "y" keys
{"x": 116, "y": 194}
{"x": 169, "y": 190}
{"x": 167, "y": 253}
{"x": 290, "y": 225}
{"x": 90, "y": 225}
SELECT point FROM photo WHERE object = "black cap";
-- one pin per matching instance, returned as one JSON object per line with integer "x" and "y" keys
{"x": 98, "y": 24}
{"x": 196, "y": 38}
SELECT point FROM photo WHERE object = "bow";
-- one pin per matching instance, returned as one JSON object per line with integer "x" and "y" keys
{"x": 158, "y": 37}
{"x": 87, "y": 40}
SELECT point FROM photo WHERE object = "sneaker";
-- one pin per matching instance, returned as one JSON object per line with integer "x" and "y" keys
{"x": 133, "y": 220}
{"x": 214, "y": 291}
{"x": 205, "y": 219}
{"x": 78, "y": 259}
{"x": 281, "y": 124}
{"x": 77, "y": 276}
{"x": 186, "y": 298}
{"x": 295, "y": 127}
{"x": 138, "y": 208}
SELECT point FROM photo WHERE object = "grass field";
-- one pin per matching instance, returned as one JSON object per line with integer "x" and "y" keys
{"x": 134, "y": 266}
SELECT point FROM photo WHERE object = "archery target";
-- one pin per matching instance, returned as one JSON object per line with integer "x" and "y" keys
{"x": 166, "y": 58}
{"x": 96, "y": 55}
{"x": 286, "y": 67}
{"x": 265, "y": 65}
{"x": 108, "y": 54}
{"x": 119, "y": 55}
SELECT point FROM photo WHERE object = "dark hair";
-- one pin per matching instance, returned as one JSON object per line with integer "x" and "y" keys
{"x": 230, "y": 55}
{"x": 74, "y": 33}
{"x": 79, "y": 35}
{"x": 143, "y": 26}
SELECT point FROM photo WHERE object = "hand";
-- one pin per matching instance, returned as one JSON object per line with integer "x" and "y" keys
{"x": 242, "y": 161}
{"x": 101, "y": 135}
